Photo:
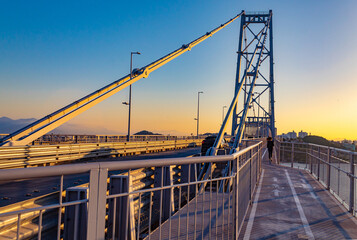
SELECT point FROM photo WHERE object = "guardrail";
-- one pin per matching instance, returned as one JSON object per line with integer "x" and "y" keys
{"x": 48, "y": 139}
{"x": 334, "y": 168}
{"x": 28, "y": 156}
{"x": 124, "y": 207}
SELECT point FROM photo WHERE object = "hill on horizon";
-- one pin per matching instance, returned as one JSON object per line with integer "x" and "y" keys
{"x": 321, "y": 141}
{"x": 145, "y": 132}
{"x": 8, "y": 126}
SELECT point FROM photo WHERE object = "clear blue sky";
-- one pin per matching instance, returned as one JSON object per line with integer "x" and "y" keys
{"x": 52, "y": 53}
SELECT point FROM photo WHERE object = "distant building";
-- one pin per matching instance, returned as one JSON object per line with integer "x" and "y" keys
{"x": 349, "y": 146}
{"x": 292, "y": 135}
{"x": 302, "y": 134}
{"x": 289, "y": 135}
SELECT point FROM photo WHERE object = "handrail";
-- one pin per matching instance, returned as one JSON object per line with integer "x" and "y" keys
{"x": 347, "y": 173}
{"x": 24, "y": 156}
{"x": 321, "y": 146}
{"x": 12, "y": 174}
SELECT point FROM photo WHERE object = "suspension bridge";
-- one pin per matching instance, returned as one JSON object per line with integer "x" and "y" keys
{"x": 234, "y": 191}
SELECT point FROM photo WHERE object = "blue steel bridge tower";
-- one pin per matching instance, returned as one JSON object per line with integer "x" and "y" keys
{"x": 252, "y": 109}
{"x": 255, "y": 77}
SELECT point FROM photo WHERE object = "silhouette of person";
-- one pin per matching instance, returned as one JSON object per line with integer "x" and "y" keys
{"x": 270, "y": 145}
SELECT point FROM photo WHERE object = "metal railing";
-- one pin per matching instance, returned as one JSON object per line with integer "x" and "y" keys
{"x": 50, "y": 139}
{"x": 70, "y": 139}
{"x": 121, "y": 207}
{"x": 334, "y": 168}
{"x": 27, "y": 156}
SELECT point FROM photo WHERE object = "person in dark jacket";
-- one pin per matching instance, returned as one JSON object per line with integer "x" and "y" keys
{"x": 270, "y": 145}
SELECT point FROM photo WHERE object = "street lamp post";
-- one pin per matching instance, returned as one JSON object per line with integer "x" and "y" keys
{"x": 223, "y": 113}
{"x": 198, "y": 112}
{"x": 129, "y": 103}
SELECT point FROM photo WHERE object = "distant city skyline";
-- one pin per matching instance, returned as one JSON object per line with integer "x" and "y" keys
{"x": 53, "y": 54}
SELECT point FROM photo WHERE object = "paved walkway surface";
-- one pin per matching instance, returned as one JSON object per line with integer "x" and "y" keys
{"x": 205, "y": 217}
{"x": 290, "y": 204}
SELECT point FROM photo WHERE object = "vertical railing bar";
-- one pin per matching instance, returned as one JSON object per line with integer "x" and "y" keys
{"x": 18, "y": 226}
{"x": 150, "y": 210}
{"x": 319, "y": 164}
{"x": 292, "y": 155}
{"x": 306, "y": 157}
{"x": 114, "y": 216}
{"x": 283, "y": 153}
{"x": 76, "y": 217}
{"x": 338, "y": 179}
{"x": 171, "y": 200}
{"x": 229, "y": 198}
{"x": 216, "y": 222}
{"x": 60, "y": 210}
{"x": 127, "y": 208}
{"x": 188, "y": 200}
{"x": 39, "y": 226}
{"x": 210, "y": 208}
{"x": 139, "y": 213}
{"x": 203, "y": 208}
{"x": 310, "y": 158}
{"x": 179, "y": 217}
{"x": 223, "y": 212}
{"x": 195, "y": 216}
{"x": 161, "y": 196}
{"x": 352, "y": 187}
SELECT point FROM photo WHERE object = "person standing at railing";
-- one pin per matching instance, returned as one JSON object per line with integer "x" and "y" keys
{"x": 270, "y": 145}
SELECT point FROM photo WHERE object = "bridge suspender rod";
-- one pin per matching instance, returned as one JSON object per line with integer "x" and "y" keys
{"x": 57, "y": 118}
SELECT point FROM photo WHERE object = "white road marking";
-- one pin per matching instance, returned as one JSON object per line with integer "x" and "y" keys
{"x": 299, "y": 207}
{"x": 264, "y": 153}
{"x": 248, "y": 230}
{"x": 276, "y": 192}
{"x": 311, "y": 190}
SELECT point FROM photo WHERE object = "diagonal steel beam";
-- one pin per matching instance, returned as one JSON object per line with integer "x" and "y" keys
{"x": 57, "y": 118}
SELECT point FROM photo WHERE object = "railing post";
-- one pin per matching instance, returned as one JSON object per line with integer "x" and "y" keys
{"x": 250, "y": 176}
{"x": 292, "y": 154}
{"x": 318, "y": 165}
{"x": 283, "y": 154}
{"x": 328, "y": 168}
{"x": 310, "y": 150}
{"x": 306, "y": 156}
{"x": 236, "y": 196}
{"x": 96, "y": 204}
{"x": 279, "y": 151}
{"x": 352, "y": 183}
{"x": 260, "y": 158}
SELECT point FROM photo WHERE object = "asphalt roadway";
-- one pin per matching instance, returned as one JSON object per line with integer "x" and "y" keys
{"x": 16, "y": 191}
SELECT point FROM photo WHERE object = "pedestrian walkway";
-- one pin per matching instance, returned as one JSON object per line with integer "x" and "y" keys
{"x": 290, "y": 204}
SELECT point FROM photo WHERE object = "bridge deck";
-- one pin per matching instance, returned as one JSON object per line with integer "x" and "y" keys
{"x": 211, "y": 219}
{"x": 290, "y": 204}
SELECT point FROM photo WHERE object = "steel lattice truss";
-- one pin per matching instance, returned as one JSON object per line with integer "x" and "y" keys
{"x": 254, "y": 83}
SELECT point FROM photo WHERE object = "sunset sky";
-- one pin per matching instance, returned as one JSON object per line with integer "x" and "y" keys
{"x": 53, "y": 53}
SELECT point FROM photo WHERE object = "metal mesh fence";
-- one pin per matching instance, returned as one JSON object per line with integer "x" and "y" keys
{"x": 333, "y": 168}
